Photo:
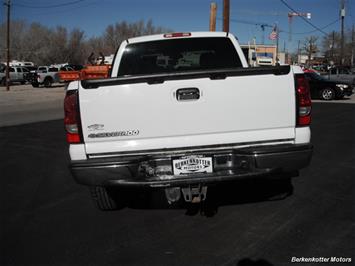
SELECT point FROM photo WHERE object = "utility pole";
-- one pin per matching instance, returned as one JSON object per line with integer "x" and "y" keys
{"x": 8, "y": 4}
{"x": 213, "y": 12}
{"x": 332, "y": 46}
{"x": 298, "y": 52}
{"x": 226, "y": 15}
{"x": 342, "y": 15}
{"x": 352, "y": 46}
{"x": 263, "y": 36}
{"x": 277, "y": 44}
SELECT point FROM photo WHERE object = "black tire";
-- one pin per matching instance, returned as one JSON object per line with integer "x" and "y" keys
{"x": 47, "y": 82}
{"x": 35, "y": 85}
{"x": 3, "y": 82}
{"x": 327, "y": 94}
{"x": 282, "y": 189}
{"x": 23, "y": 82}
{"x": 104, "y": 198}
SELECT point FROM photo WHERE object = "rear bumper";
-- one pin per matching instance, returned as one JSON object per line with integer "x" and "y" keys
{"x": 156, "y": 170}
{"x": 349, "y": 91}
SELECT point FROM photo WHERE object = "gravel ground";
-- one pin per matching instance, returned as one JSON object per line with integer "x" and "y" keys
{"x": 24, "y": 104}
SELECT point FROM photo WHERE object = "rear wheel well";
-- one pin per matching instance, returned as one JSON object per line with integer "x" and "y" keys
{"x": 48, "y": 78}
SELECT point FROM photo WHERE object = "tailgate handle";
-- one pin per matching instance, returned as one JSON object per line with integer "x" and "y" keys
{"x": 188, "y": 94}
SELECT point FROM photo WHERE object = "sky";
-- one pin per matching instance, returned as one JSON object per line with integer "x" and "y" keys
{"x": 93, "y": 16}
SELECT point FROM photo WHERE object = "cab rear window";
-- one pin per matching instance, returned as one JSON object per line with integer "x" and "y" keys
{"x": 178, "y": 55}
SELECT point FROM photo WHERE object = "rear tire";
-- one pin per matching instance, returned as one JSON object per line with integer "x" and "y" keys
{"x": 327, "y": 94}
{"x": 35, "y": 85}
{"x": 104, "y": 198}
{"x": 3, "y": 82}
{"x": 47, "y": 83}
{"x": 282, "y": 189}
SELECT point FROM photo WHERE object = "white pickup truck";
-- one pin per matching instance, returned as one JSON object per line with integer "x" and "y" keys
{"x": 44, "y": 75}
{"x": 182, "y": 111}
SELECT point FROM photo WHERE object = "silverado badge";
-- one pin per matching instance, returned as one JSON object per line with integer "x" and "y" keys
{"x": 96, "y": 127}
{"x": 125, "y": 133}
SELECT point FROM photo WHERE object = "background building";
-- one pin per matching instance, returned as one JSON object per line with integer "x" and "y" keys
{"x": 264, "y": 55}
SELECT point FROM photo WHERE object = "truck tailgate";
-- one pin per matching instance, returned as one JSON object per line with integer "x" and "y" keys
{"x": 139, "y": 116}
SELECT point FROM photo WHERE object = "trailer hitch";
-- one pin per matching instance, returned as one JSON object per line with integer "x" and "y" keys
{"x": 194, "y": 194}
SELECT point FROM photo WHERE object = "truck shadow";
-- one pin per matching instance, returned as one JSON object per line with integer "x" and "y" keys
{"x": 345, "y": 99}
{"x": 249, "y": 262}
{"x": 231, "y": 193}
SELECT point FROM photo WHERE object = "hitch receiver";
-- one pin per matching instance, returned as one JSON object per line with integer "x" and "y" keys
{"x": 194, "y": 194}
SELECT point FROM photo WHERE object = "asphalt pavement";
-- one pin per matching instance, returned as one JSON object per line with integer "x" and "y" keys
{"x": 48, "y": 219}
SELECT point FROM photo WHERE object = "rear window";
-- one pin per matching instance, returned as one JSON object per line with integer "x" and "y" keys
{"x": 53, "y": 69}
{"x": 176, "y": 55}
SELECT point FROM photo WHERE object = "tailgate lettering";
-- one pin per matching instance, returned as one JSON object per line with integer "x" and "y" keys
{"x": 126, "y": 133}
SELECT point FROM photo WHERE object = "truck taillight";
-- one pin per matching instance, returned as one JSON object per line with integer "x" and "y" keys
{"x": 304, "y": 103}
{"x": 72, "y": 117}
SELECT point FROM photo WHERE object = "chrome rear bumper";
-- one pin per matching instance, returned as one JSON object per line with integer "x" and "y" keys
{"x": 156, "y": 170}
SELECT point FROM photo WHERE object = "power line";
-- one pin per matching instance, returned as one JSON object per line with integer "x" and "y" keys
{"x": 49, "y": 6}
{"x": 257, "y": 13}
{"x": 324, "y": 27}
{"x": 280, "y": 30}
{"x": 310, "y": 23}
{"x": 250, "y": 22}
{"x": 46, "y": 13}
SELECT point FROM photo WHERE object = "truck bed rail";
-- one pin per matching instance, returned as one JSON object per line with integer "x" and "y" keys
{"x": 161, "y": 78}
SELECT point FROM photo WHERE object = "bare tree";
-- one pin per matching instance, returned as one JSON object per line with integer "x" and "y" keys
{"x": 43, "y": 45}
{"x": 56, "y": 50}
{"x": 115, "y": 34}
{"x": 36, "y": 39}
{"x": 18, "y": 29}
{"x": 310, "y": 47}
{"x": 75, "y": 47}
{"x": 331, "y": 47}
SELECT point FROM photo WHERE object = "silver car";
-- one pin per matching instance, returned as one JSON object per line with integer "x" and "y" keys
{"x": 17, "y": 74}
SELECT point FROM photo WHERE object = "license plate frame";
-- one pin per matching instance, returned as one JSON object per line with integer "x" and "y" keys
{"x": 192, "y": 164}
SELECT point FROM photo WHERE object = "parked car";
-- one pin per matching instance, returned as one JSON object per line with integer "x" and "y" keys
{"x": 71, "y": 67}
{"x": 44, "y": 75}
{"x": 327, "y": 89}
{"x": 17, "y": 74}
{"x": 340, "y": 74}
